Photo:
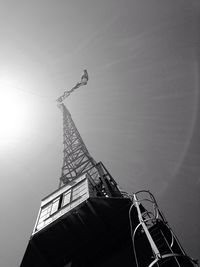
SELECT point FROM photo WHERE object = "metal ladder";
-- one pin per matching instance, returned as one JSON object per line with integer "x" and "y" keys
{"x": 164, "y": 248}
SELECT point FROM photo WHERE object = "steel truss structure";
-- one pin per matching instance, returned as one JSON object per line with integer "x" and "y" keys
{"x": 77, "y": 160}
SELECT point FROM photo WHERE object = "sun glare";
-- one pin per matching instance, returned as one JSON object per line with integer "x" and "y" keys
{"x": 13, "y": 114}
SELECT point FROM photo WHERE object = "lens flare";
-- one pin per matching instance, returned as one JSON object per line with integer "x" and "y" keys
{"x": 13, "y": 114}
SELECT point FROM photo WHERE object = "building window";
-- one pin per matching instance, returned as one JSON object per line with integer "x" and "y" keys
{"x": 54, "y": 206}
{"x": 47, "y": 211}
{"x": 66, "y": 197}
{"x": 73, "y": 194}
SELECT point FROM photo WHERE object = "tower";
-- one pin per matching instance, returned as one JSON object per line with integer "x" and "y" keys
{"x": 89, "y": 222}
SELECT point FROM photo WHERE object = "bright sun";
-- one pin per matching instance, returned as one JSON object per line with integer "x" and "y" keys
{"x": 13, "y": 114}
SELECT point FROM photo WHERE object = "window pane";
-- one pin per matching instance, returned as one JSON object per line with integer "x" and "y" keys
{"x": 45, "y": 210}
{"x": 55, "y": 206}
{"x": 45, "y": 213}
{"x": 66, "y": 198}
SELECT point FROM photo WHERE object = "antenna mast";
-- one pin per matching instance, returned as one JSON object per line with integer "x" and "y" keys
{"x": 77, "y": 159}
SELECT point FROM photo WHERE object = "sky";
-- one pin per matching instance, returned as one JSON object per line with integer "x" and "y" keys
{"x": 139, "y": 113}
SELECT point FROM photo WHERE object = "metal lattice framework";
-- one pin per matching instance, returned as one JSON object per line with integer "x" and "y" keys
{"x": 77, "y": 159}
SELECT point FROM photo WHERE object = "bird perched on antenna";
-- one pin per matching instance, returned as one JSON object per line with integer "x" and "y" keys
{"x": 84, "y": 80}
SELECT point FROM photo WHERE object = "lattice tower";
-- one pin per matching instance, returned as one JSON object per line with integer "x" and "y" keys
{"x": 76, "y": 159}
